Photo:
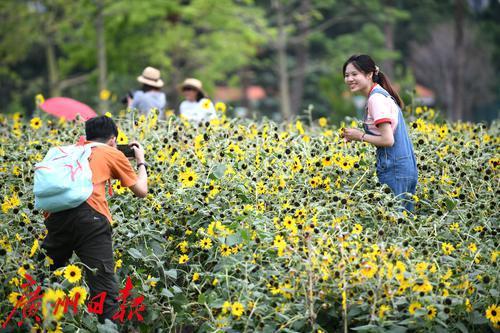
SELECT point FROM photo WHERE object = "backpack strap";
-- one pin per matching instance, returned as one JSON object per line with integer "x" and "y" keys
{"x": 81, "y": 141}
{"x": 92, "y": 145}
{"x": 379, "y": 90}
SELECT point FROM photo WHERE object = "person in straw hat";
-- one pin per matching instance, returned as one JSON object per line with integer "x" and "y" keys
{"x": 149, "y": 96}
{"x": 196, "y": 107}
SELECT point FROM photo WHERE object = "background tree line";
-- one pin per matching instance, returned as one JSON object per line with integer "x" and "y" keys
{"x": 292, "y": 48}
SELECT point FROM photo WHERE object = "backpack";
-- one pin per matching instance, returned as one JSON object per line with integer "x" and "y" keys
{"x": 63, "y": 179}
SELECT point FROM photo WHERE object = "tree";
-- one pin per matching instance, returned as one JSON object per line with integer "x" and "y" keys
{"x": 208, "y": 39}
{"x": 301, "y": 45}
{"x": 434, "y": 64}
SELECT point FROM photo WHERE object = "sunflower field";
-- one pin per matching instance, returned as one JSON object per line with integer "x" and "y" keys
{"x": 253, "y": 226}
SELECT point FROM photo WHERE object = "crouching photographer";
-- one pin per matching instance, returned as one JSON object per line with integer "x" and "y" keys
{"x": 86, "y": 228}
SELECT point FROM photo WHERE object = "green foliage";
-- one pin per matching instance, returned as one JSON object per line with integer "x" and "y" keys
{"x": 298, "y": 249}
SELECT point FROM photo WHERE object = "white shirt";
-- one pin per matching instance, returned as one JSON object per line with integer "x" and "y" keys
{"x": 197, "y": 112}
{"x": 381, "y": 109}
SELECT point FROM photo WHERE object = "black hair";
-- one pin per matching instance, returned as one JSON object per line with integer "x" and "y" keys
{"x": 147, "y": 87}
{"x": 100, "y": 129}
{"x": 365, "y": 64}
{"x": 200, "y": 96}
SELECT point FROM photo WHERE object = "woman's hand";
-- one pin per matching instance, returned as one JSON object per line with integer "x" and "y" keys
{"x": 352, "y": 134}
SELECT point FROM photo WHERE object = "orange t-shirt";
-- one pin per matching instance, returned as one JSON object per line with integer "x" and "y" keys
{"x": 107, "y": 163}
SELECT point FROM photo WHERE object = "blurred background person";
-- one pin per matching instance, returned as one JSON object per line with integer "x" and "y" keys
{"x": 196, "y": 107}
{"x": 150, "y": 95}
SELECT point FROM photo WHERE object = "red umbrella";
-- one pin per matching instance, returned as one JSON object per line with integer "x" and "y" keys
{"x": 67, "y": 108}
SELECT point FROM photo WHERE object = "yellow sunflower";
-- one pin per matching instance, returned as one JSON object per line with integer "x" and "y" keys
{"x": 205, "y": 104}
{"x": 237, "y": 309}
{"x": 78, "y": 290}
{"x": 122, "y": 138}
{"x": 49, "y": 300}
{"x": 118, "y": 188}
{"x": 226, "y": 307}
{"x": 183, "y": 259}
{"x": 382, "y": 310}
{"x": 188, "y": 177}
{"x": 431, "y": 312}
{"x": 369, "y": 269}
{"x": 72, "y": 273}
{"x": 414, "y": 307}
{"x": 36, "y": 123}
{"x": 39, "y": 99}
{"x": 225, "y": 250}
{"x": 221, "y": 107}
{"x": 206, "y": 243}
{"x": 14, "y": 297}
{"x": 322, "y": 121}
{"x": 447, "y": 248}
{"x": 493, "y": 313}
{"x": 422, "y": 285}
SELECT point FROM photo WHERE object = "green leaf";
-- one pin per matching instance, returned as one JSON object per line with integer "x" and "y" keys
{"x": 233, "y": 239}
{"x": 172, "y": 273}
{"x": 397, "y": 329}
{"x": 354, "y": 311}
{"x": 244, "y": 234}
{"x": 107, "y": 327}
{"x": 450, "y": 204}
{"x": 219, "y": 171}
{"x": 440, "y": 329}
{"x": 366, "y": 328}
{"x": 478, "y": 319}
{"x": 202, "y": 298}
{"x": 176, "y": 289}
{"x": 269, "y": 329}
{"x": 136, "y": 254}
{"x": 299, "y": 324}
{"x": 166, "y": 292}
{"x": 461, "y": 327}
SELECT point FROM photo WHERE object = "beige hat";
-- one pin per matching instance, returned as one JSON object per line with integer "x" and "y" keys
{"x": 195, "y": 83}
{"x": 151, "y": 77}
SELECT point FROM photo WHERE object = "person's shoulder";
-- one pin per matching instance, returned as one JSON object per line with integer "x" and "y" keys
{"x": 185, "y": 104}
{"x": 138, "y": 93}
{"x": 107, "y": 151}
{"x": 377, "y": 98}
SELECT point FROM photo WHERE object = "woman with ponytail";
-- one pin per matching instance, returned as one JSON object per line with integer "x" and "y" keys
{"x": 384, "y": 126}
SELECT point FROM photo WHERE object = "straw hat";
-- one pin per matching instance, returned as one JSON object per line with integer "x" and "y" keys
{"x": 193, "y": 83}
{"x": 151, "y": 77}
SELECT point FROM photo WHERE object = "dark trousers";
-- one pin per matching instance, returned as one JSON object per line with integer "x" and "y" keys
{"x": 87, "y": 233}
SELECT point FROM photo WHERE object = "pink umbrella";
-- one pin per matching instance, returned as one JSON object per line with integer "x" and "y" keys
{"x": 67, "y": 108}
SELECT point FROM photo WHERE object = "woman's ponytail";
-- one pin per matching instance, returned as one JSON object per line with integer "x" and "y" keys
{"x": 385, "y": 83}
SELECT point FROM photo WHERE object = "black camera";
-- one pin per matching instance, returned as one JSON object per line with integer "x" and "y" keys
{"x": 124, "y": 100}
{"x": 127, "y": 149}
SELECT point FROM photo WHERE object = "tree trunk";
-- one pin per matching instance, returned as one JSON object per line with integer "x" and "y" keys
{"x": 101, "y": 54}
{"x": 54, "y": 89}
{"x": 388, "y": 64}
{"x": 284, "y": 90}
{"x": 302, "y": 58}
{"x": 243, "y": 73}
{"x": 457, "y": 110}
{"x": 174, "y": 95}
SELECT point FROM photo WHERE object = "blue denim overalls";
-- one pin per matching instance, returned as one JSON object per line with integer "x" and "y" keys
{"x": 396, "y": 165}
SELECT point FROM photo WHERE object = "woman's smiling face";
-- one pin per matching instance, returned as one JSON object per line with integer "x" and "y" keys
{"x": 356, "y": 80}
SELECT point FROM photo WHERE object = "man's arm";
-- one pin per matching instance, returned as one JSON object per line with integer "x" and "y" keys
{"x": 140, "y": 188}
